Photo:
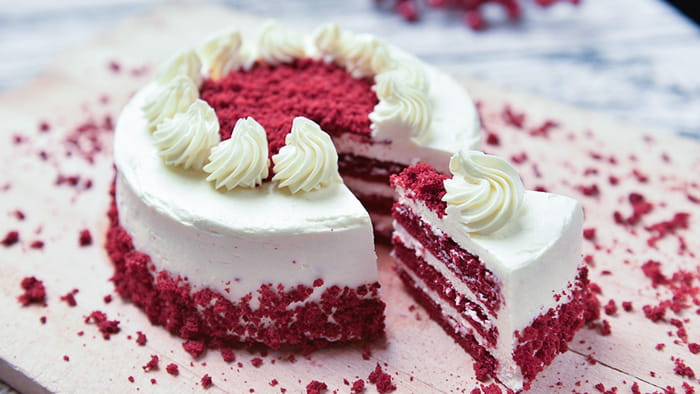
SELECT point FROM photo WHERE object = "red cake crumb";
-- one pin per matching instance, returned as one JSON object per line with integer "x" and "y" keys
{"x": 682, "y": 369}
{"x": 589, "y": 233}
{"x": 106, "y": 327}
{"x": 257, "y": 361}
{"x": 19, "y": 215}
{"x": 66, "y": 358}
{"x": 131, "y": 379}
{"x": 591, "y": 360}
{"x": 141, "y": 338}
{"x": 654, "y": 313}
{"x": 206, "y": 381}
{"x": 273, "y": 383}
{"x": 660, "y": 346}
{"x": 44, "y": 126}
{"x": 194, "y": 348}
{"x": 85, "y": 238}
{"x": 492, "y": 139}
{"x": 153, "y": 381}
{"x": 38, "y": 244}
{"x": 635, "y": 388}
{"x": 590, "y": 191}
{"x": 42, "y": 320}
{"x": 381, "y": 379}
{"x": 544, "y": 129}
{"x": 10, "y": 239}
{"x": 275, "y": 95}
{"x": 107, "y": 299}
{"x": 34, "y": 292}
{"x": 610, "y": 308}
{"x": 694, "y": 347}
{"x": 627, "y": 306}
{"x": 358, "y": 386}
{"x": 152, "y": 364}
{"x": 228, "y": 355}
{"x": 114, "y": 66}
{"x": 662, "y": 229}
{"x": 515, "y": 119}
{"x": 316, "y": 387}
{"x": 69, "y": 298}
{"x": 172, "y": 369}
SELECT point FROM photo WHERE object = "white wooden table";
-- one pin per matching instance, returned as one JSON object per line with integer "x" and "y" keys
{"x": 641, "y": 67}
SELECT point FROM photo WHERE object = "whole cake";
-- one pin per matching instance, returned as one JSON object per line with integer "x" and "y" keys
{"x": 230, "y": 222}
{"x": 498, "y": 267}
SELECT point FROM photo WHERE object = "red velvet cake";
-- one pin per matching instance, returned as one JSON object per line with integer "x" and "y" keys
{"x": 231, "y": 223}
{"x": 497, "y": 267}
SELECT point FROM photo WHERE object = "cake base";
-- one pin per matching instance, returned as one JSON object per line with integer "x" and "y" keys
{"x": 273, "y": 316}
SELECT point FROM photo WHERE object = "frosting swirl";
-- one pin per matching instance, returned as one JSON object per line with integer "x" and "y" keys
{"x": 308, "y": 161}
{"x": 185, "y": 139}
{"x": 401, "y": 103}
{"x": 183, "y": 63}
{"x": 276, "y": 45}
{"x": 365, "y": 55}
{"x": 485, "y": 192}
{"x": 328, "y": 39}
{"x": 223, "y": 54}
{"x": 170, "y": 99}
{"x": 241, "y": 160}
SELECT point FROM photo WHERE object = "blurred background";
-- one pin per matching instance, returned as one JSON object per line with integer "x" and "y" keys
{"x": 636, "y": 60}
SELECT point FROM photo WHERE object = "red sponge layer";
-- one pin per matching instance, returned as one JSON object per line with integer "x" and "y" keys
{"x": 274, "y": 96}
{"x": 285, "y": 316}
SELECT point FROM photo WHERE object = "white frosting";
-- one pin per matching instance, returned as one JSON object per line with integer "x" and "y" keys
{"x": 275, "y": 45}
{"x": 484, "y": 193}
{"x": 222, "y": 54}
{"x": 308, "y": 161}
{"x": 170, "y": 99}
{"x": 241, "y": 160}
{"x": 183, "y": 63}
{"x": 240, "y": 239}
{"x": 328, "y": 40}
{"x": 401, "y": 106}
{"x": 185, "y": 139}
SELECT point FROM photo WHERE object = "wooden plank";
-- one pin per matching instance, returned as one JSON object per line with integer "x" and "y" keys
{"x": 416, "y": 353}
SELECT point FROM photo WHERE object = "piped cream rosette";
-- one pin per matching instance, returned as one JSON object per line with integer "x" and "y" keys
{"x": 185, "y": 128}
{"x": 485, "y": 192}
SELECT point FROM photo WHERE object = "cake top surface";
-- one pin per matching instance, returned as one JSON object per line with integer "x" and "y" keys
{"x": 185, "y": 195}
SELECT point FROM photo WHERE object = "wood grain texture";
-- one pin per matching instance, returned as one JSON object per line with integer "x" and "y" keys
{"x": 418, "y": 355}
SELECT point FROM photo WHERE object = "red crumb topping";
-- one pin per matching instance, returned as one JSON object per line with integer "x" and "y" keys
{"x": 544, "y": 129}
{"x": 10, "y": 239}
{"x": 358, "y": 386}
{"x": 152, "y": 364}
{"x": 274, "y": 95}
{"x": 206, "y": 381}
{"x": 591, "y": 190}
{"x": 37, "y": 244}
{"x": 662, "y": 229}
{"x": 69, "y": 298}
{"x": 316, "y": 387}
{"x": 106, "y": 327}
{"x": 694, "y": 348}
{"x": 660, "y": 346}
{"x": 42, "y": 320}
{"x": 228, "y": 355}
{"x": 273, "y": 382}
{"x": 19, "y": 215}
{"x": 34, "y": 292}
{"x": 141, "y": 338}
{"x": 85, "y": 238}
{"x": 422, "y": 183}
{"x": 172, "y": 369}
{"x": 627, "y": 306}
{"x": 107, "y": 299}
{"x": 652, "y": 270}
{"x": 682, "y": 369}
{"x": 131, "y": 379}
{"x": 589, "y": 233}
{"x": 610, "y": 308}
{"x": 492, "y": 139}
{"x": 209, "y": 319}
{"x": 194, "y": 348}
{"x": 66, "y": 358}
{"x": 382, "y": 380}
{"x": 257, "y": 361}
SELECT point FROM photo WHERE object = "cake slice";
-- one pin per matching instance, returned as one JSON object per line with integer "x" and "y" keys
{"x": 497, "y": 267}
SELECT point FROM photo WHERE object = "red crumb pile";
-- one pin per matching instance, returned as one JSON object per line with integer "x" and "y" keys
{"x": 34, "y": 292}
{"x": 382, "y": 380}
{"x": 423, "y": 183}
{"x": 106, "y": 327}
{"x": 316, "y": 387}
{"x": 273, "y": 96}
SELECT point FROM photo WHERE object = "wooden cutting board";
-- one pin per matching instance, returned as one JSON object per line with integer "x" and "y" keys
{"x": 84, "y": 90}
